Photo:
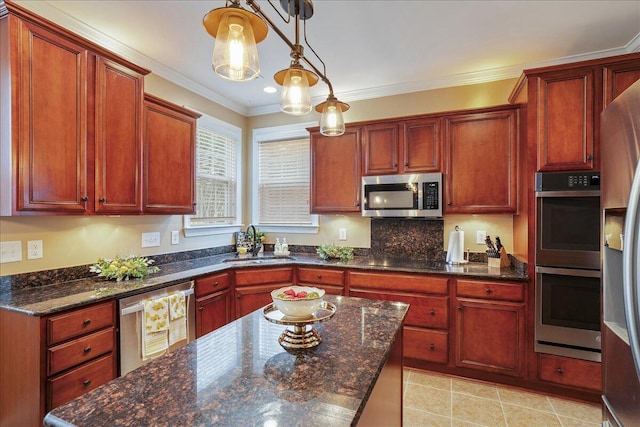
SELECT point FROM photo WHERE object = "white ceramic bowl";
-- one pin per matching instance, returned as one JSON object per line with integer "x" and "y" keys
{"x": 302, "y": 307}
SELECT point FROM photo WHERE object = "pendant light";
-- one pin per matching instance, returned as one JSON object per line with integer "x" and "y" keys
{"x": 332, "y": 121}
{"x": 295, "y": 97}
{"x": 235, "y": 54}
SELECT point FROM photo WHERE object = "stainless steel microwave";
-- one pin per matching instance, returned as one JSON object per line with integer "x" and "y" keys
{"x": 408, "y": 195}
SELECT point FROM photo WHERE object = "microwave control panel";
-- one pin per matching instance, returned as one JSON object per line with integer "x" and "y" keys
{"x": 430, "y": 195}
{"x": 567, "y": 181}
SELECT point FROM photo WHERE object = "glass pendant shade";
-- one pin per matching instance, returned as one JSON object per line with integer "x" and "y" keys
{"x": 235, "y": 54}
{"x": 295, "y": 97}
{"x": 332, "y": 121}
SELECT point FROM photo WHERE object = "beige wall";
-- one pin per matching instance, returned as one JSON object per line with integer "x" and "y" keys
{"x": 69, "y": 241}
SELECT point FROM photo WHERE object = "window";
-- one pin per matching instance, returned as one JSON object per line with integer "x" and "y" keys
{"x": 281, "y": 185}
{"x": 218, "y": 155}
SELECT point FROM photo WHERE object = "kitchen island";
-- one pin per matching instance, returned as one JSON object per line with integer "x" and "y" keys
{"x": 240, "y": 375}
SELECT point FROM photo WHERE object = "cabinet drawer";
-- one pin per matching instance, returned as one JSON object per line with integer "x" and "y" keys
{"x": 80, "y": 350}
{"x": 425, "y": 344}
{"x": 264, "y": 276}
{"x": 320, "y": 276}
{"x": 490, "y": 290}
{"x": 79, "y": 381}
{"x": 79, "y": 322}
{"x": 399, "y": 282}
{"x": 209, "y": 284}
{"x": 570, "y": 372}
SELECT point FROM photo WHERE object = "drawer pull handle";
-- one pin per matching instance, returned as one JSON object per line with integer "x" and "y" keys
{"x": 432, "y": 312}
{"x": 319, "y": 276}
{"x": 87, "y": 349}
{"x": 560, "y": 371}
{"x": 215, "y": 284}
{"x": 489, "y": 291}
{"x": 86, "y": 322}
{"x": 432, "y": 347}
{"x": 86, "y": 383}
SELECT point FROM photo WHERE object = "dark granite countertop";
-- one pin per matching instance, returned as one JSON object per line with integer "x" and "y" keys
{"x": 48, "y": 299}
{"x": 239, "y": 375}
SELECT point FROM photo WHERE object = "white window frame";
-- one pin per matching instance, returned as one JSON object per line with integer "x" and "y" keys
{"x": 277, "y": 133}
{"x": 227, "y": 129}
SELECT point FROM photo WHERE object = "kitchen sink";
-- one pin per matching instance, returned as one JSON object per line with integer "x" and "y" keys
{"x": 257, "y": 259}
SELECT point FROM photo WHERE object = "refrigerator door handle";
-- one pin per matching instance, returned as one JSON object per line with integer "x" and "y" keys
{"x": 631, "y": 268}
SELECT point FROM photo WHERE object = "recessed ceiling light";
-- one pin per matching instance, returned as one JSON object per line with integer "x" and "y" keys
{"x": 270, "y": 89}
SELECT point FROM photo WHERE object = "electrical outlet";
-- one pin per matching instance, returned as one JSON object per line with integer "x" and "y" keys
{"x": 150, "y": 240}
{"x": 34, "y": 249}
{"x": 342, "y": 234}
{"x": 10, "y": 251}
{"x": 175, "y": 237}
{"x": 481, "y": 236}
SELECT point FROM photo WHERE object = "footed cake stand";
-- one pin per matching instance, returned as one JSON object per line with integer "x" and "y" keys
{"x": 300, "y": 336}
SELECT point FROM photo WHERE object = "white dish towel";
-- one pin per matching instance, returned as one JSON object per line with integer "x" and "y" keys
{"x": 177, "y": 317}
{"x": 155, "y": 327}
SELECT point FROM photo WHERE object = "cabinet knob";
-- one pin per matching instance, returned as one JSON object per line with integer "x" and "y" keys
{"x": 84, "y": 198}
{"x": 86, "y": 322}
{"x": 87, "y": 349}
{"x": 357, "y": 205}
{"x": 488, "y": 291}
{"x": 460, "y": 307}
{"x": 406, "y": 164}
{"x": 449, "y": 203}
{"x": 432, "y": 347}
{"x": 215, "y": 284}
{"x": 432, "y": 312}
{"x": 319, "y": 276}
{"x": 200, "y": 308}
{"x": 395, "y": 165}
{"x": 102, "y": 200}
{"x": 194, "y": 203}
{"x": 590, "y": 157}
{"x": 86, "y": 383}
{"x": 560, "y": 371}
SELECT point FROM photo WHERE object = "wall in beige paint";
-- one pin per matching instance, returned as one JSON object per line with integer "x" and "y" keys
{"x": 70, "y": 241}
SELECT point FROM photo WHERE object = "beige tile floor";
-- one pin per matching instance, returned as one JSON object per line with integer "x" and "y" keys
{"x": 435, "y": 400}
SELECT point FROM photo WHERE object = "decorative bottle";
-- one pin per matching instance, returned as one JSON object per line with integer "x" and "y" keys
{"x": 285, "y": 246}
{"x": 277, "y": 249}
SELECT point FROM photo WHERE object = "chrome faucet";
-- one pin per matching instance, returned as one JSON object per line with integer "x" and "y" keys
{"x": 254, "y": 246}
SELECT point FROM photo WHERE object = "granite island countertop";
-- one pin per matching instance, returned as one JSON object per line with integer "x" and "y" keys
{"x": 239, "y": 375}
{"x": 48, "y": 299}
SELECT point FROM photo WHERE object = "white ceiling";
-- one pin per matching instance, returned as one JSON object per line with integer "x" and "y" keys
{"x": 370, "y": 48}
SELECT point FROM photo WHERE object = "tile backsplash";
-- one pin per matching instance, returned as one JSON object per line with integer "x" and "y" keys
{"x": 414, "y": 239}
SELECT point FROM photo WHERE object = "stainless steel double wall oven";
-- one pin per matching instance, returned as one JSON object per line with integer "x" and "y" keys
{"x": 568, "y": 264}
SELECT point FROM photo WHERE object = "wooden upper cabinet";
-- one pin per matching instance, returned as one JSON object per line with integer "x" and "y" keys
{"x": 118, "y": 138}
{"x": 335, "y": 172}
{"x": 169, "y": 157}
{"x": 420, "y": 145}
{"x": 617, "y": 78}
{"x": 565, "y": 108}
{"x": 481, "y": 161}
{"x": 380, "y": 146}
{"x": 49, "y": 104}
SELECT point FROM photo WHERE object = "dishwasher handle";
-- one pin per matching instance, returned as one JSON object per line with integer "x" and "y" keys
{"x": 134, "y": 308}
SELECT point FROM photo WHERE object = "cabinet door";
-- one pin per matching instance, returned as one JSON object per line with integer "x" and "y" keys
{"x": 213, "y": 311}
{"x": 51, "y": 112}
{"x": 335, "y": 173}
{"x": 565, "y": 111}
{"x": 251, "y": 298}
{"x": 481, "y": 162}
{"x": 118, "y": 140}
{"x": 169, "y": 159}
{"x": 617, "y": 78}
{"x": 490, "y": 336}
{"x": 380, "y": 149}
{"x": 420, "y": 142}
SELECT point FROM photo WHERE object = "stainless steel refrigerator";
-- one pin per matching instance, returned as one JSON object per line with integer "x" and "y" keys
{"x": 620, "y": 199}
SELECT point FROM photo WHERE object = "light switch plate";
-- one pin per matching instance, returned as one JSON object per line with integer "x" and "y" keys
{"x": 175, "y": 237}
{"x": 342, "y": 234}
{"x": 10, "y": 251}
{"x": 150, "y": 240}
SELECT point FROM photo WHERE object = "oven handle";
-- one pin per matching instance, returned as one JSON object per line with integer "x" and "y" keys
{"x": 568, "y": 271}
{"x": 138, "y": 307}
{"x": 577, "y": 193}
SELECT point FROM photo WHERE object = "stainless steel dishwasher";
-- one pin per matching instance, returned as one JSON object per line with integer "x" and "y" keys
{"x": 131, "y": 311}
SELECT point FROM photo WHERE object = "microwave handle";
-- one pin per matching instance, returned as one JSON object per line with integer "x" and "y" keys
{"x": 568, "y": 271}
{"x": 577, "y": 193}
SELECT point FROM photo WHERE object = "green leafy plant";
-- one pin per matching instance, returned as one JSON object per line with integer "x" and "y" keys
{"x": 124, "y": 268}
{"x": 330, "y": 251}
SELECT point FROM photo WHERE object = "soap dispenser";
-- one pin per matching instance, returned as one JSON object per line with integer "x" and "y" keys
{"x": 277, "y": 249}
{"x": 285, "y": 247}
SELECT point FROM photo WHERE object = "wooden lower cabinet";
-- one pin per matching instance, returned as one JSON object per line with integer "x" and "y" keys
{"x": 213, "y": 303}
{"x": 570, "y": 372}
{"x": 254, "y": 286}
{"x": 426, "y": 344}
{"x": 331, "y": 280}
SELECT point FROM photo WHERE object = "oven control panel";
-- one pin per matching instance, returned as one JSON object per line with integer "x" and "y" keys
{"x": 567, "y": 181}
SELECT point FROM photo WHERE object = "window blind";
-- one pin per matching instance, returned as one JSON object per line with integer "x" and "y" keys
{"x": 283, "y": 182}
{"x": 216, "y": 178}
